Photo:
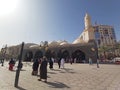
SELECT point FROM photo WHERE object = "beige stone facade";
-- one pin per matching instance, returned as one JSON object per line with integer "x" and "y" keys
{"x": 104, "y": 35}
{"x": 81, "y": 49}
{"x": 88, "y": 33}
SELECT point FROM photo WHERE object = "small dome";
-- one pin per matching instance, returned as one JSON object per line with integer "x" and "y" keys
{"x": 64, "y": 42}
{"x": 60, "y": 42}
{"x": 53, "y": 43}
{"x": 34, "y": 46}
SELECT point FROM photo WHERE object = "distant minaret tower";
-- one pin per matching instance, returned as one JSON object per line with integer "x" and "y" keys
{"x": 87, "y": 21}
{"x": 88, "y": 33}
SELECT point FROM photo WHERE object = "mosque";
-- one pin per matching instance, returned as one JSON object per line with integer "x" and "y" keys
{"x": 80, "y": 50}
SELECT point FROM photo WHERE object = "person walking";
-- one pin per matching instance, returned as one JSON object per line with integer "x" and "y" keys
{"x": 59, "y": 61}
{"x": 43, "y": 69}
{"x": 35, "y": 67}
{"x": 90, "y": 61}
{"x": 2, "y": 61}
{"x": 62, "y": 62}
{"x": 50, "y": 64}
{"x": 71, "y": 61}
{"x": 97, "y": 63}
{"x": 11, "y": 64}
{"x": 53, "y": 60}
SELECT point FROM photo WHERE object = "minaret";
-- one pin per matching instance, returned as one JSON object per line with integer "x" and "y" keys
{"x": 87, "y": 21}
{"x": 88, "y": 33}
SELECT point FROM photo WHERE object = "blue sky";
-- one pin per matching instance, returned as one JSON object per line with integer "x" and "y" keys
{"x": 33, "y": 21}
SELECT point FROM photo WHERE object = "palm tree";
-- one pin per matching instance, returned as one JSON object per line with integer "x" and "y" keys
{"x": 103, "y": 51}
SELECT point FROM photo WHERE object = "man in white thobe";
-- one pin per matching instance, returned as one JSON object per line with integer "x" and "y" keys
{"x": 62, "y": 62}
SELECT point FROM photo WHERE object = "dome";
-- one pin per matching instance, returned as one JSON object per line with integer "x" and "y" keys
{"x": 53, "y": 43}
{"x": 34, "y": 46}
{"x": 64, "y": 42}
{"x": 60, "y": 42}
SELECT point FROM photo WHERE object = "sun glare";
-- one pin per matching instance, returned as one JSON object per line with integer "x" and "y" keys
{"x": 7, "y": 6}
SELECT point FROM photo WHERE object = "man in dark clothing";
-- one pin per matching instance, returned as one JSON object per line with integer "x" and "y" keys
{"x": 43, "y": 69}
{"x": 51, "y": 64}
{"x": 2, "y": 61}
{"x": 35, "y": 67}
{"x": 59, "y": 62}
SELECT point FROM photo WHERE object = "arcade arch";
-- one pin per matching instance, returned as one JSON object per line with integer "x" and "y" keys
{"x": 28, "y": 56}
{"x": 38, "y": 54}
{"x": 65, "y": 55}
{"x": 79, "y": 56}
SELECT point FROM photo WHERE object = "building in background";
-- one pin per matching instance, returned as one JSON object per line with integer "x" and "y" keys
{"x": 85, "y": 46}
{"x": 104, "y": 35}
{"x": 80, "y": 50}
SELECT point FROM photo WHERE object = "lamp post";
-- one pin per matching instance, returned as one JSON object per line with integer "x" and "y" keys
{"x": 19, "y": 67}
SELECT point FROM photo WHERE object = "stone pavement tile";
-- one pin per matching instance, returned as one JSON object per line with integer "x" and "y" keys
{"x": 73, "y": 77}
{"x": 76, "y": 88}
{"x": 93, "y": 83}
{"x": 85, "y": 88}
{"x": 118, "y": 88}
{"x": 116, "y": 82}
{"x": 118, "y": 85}
{"x": 100, "y": 88}
{"x": 104, "y": 84}
{"x": 90, "y": 87}
{"x": 111, "y": 88}
{"x": 114, "y": 85}
{"x": 80, "y": 85}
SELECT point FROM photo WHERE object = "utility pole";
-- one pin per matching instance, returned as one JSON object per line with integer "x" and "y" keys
{"x": 19, "y": 66}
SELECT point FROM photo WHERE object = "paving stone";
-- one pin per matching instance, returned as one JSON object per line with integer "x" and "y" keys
{"x": 73, "y": 77}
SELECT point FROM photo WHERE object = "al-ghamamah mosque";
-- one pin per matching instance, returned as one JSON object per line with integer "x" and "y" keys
{"x": 83, "y": 48}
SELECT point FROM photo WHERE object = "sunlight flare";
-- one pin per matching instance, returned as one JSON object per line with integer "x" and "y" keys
{"x": 7, "y": 6}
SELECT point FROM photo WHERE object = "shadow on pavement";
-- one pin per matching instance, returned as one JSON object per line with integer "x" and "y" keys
{"x": 52, "y": 72}
{"x": 20, "y": 88}
{"x": 56, "y": 70}
{"x": 16, "y": 70}
{"x": 67, "y": 70}
{"x": 57, "y": 85}
{"x": 22, "y": 70}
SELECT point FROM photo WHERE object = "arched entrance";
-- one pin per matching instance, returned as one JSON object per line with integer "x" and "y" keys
{"x": 28, "y": 56}
{"x": 79, "y": 56}
{"x": 59, "y": 54}
{"x": 53, "y": 54}
{"x": 38, "y": 54}
{"x": 65, "y": 55}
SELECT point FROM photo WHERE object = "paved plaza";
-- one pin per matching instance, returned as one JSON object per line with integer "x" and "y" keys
{"x": 72, "y": 77}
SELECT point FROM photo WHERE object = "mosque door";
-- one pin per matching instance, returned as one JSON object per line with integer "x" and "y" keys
{"x": 80, "y": 56}
{"x": 65, "y": 55}
{"x": 53, "y": 54}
